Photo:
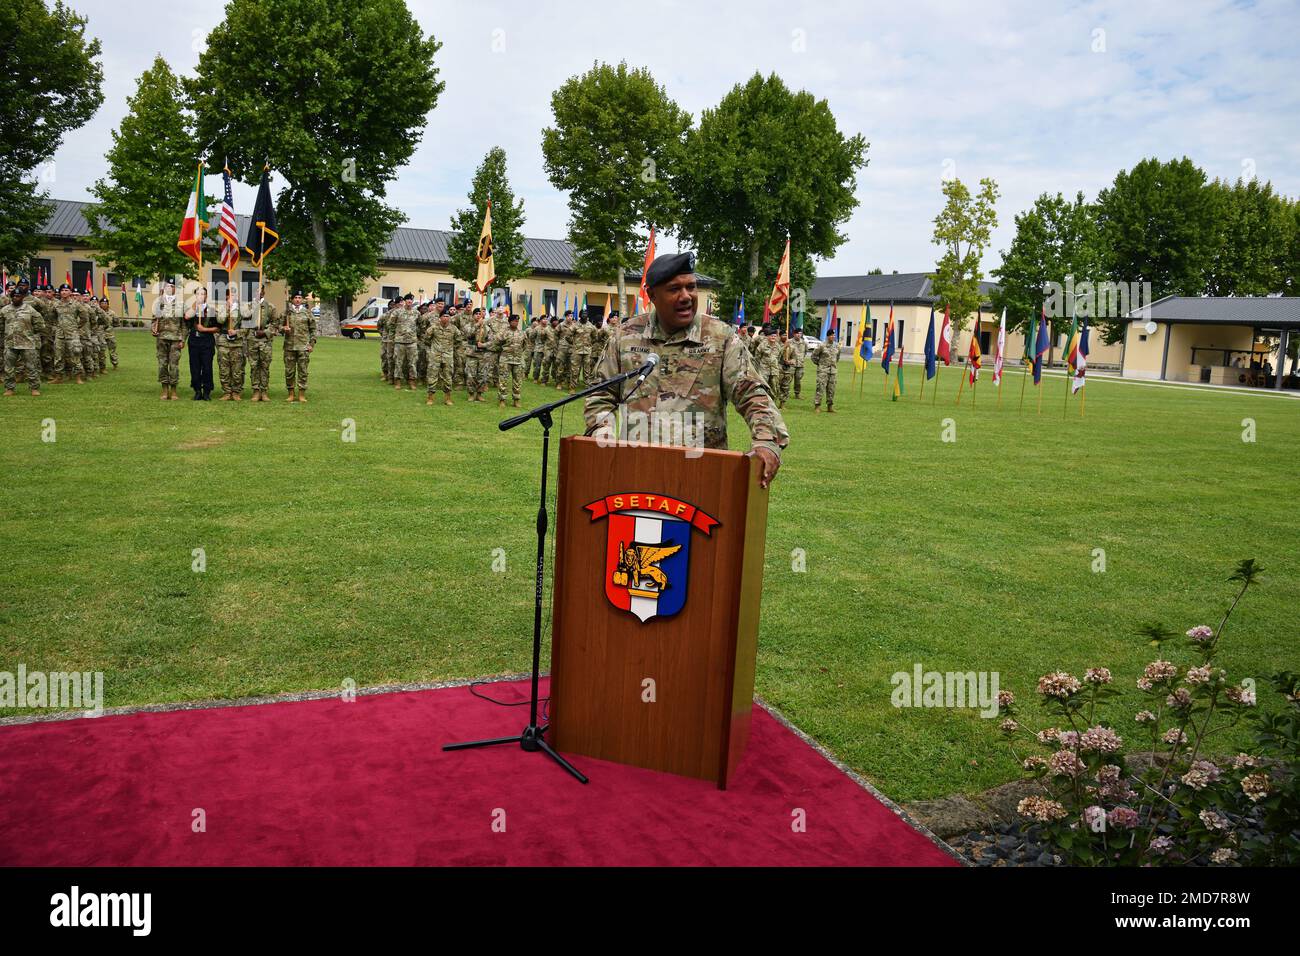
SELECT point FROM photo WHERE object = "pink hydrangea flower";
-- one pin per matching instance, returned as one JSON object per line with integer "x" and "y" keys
{"x": 1201, "y": 633}
{"x": 1122, "y": 818}
{"x": 1097, "y": 675}
{"x": 1100, "y": 739}
{"x": 1065, "y": 763}
{"x": 1144, "y": 717}
{"x": 1256, "y": 787}
{"x": 1009, "y": 725}
{"x": 1161, "y": 845}
{"x": 1041, "y": 809}
{"x": 1213, "y": 820}
{"x": 1058, "y": 684}
{"x": 1160, "y": 671}
{"x": 1174, "y": 736}
{"x": 1201, "y": 775}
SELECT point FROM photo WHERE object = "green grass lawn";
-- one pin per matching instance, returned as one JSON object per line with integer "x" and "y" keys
{"x": 373, "y": 560}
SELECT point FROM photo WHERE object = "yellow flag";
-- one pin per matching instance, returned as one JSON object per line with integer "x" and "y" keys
{"x": 858, "y": 364}
{"x": 487, "y": 272}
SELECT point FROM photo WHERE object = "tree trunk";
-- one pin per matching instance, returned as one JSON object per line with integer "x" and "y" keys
{"x": 622, "y": 292}
{"x": 328, "y": 324}
{"x": 753, "y": 259}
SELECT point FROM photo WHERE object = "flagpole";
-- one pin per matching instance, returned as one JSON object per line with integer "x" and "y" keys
{"x": 934, "y": 397}
{"x": 961, "y": 385}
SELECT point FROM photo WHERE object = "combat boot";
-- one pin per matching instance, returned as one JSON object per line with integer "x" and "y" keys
{"x": 428, "y": 400}
{"x": 293, "y": 395}
{"x": 501, "y": 403}
{"x": 302, "y": 396}
{"x": 447, "y": 400}
{"x": 57, "y": 380}
{"x": 8, "y": 392}
{"x": 516, "y": 403}
{"x": 81, "y": 379}
{"x": 166, "y": 395}
{"x": 36, "y": 393}
{"x": 830, "y": 409}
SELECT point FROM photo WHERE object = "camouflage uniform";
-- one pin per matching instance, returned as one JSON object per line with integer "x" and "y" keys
{"x": 702, "y": 368}
{"x": 581, "y": 354}
{"x": 539, "y": 328}
{"x": 510, "y": 347}
{"x": 827, "y": 361}
{"x": 490, "y": 361}
{"x": 231, "y": 350}
{"x": 476, "y": 361}
{"x": 550, "y": 345}
{"x": 86, "y": 333}
{"x": 169, "y": 321}
{"x": 599, "y": 339}
{"x": 299, "y": 340}
{"x": 21, "y": 327}
{"x": 564, "y": 352}
{"x": 787, "y": 371}
{"x": 422, "y": 322}
{"x": 440, "y": 339}
{"x": 401, "y": 366}
{"x": 768, "y": 358}
{"x": 530, "y": 344}
{"x": 110, "y": 337}
{"x": 67, "y": 342}
{"x": 385, "y": 326}
{"x": 800, "y": 346}
{"x": 46, "y": 307}
{"x": 260, "y": 352}
{"x": 464, "y": 321}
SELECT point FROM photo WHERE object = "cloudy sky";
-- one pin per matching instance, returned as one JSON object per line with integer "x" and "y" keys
{"x": 1039, "y": 95}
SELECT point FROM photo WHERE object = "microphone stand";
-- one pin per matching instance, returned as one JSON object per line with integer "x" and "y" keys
{"x": 532, "y": 738}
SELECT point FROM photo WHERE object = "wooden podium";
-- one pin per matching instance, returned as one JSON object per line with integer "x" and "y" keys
{"x": 658, "y": 572}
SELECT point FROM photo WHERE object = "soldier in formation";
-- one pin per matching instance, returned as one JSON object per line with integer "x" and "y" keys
{"x": 827, "y": 362}
{"x": 168, "y": 327}
{"x": 232, "y": 347}
{"x": 21, "y": 326}
{"x": 261, "y": 336}
{"x": 510, "y": 347}
{"x": 299, "y": 339}
{"x": 441, "y": 340}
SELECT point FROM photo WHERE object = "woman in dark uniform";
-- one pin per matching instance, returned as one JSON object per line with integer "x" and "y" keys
{"x": 201, "y": 323}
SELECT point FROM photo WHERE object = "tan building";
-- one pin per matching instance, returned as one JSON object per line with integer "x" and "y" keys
{"x": 413, "y": 260}
{"x": 911, "y": 295}
{"x": 1214, "y": 340}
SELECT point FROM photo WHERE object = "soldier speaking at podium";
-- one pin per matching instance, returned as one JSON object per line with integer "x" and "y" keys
{"x": 702, "y": 366}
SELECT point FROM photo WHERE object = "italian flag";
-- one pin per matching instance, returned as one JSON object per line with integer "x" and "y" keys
{"x": 195, "y": 221}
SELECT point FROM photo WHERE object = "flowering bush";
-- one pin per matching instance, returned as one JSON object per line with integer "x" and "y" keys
{"x": 1186, "y": 806}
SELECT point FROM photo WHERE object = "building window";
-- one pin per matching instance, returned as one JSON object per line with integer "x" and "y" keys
{"x": 247, "y": 285}
{"x": 551, "y": 301}
{"x": 389, "y": 292}
{"x": 1142, "y": 337}
{"x": 114, "y": 280}
{"x": 445, "y": 291}
{"x": 899, "y": 340}
{"x": 83, "y": 275}
{"x": 217, "y": 286}
{"x": 985, "y": 341}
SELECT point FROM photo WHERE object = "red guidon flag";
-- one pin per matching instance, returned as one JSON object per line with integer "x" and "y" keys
{"x": 945, "y": 339}
{"x": 780, "y": 288}
{"x": 643, "y": 297}
{"x": 195, "y": 221}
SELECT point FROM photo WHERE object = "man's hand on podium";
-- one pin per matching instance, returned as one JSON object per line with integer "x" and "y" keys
{"x": 770, "y": 464}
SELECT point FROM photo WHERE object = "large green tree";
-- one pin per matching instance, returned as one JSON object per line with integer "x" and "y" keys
{"x": 1250, "y": 240}
{"x": 1055, "y": 239}
{"x": 765, "y": 163}
{"x": 50, "y": 84}
{"x": 151, "y": 167}
{"x": 1157, "y": 223}
{"x": 615, "y": 142}
{"x": 334, "y": 95}
{"x": 962, "y": 231}
{"x": 508, "y": 256}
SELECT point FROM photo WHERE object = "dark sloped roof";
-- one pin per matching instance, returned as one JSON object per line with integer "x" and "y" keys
{"x": 897, "y": 287}
{"x": 426, "y": 247}
{"x": 1271, "y": 311}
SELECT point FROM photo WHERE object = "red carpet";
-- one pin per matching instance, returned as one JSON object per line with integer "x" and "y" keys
{"x": 326, "y": 782}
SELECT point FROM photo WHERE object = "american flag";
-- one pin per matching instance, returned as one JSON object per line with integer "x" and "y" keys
{"x": 226, "y": 228}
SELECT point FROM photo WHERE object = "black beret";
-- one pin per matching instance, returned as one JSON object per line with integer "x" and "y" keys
{"x": 64, "y": 285}
{"x": 667, "y": 266}
{"x": 408, "y": 297}
{"x": 299, "y": 292}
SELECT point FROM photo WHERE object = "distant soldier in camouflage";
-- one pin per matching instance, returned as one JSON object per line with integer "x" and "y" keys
{"x": 168, "y": 328}
{"x": 299, "y": 339}
{"x": 703, "y": 367}
{"x": 424, "y": 316}
{"x": 481, "y": 345}
{"x": 799, "y": 355}
{"x": 385, "y": 326}
{"x": 67, "y": 341}
{"x": 581, "y": 354}
{"x": 265, "y": 321}
{"x": 21, "y": 324}
{"x": 538, "y": 327}
{"x": 564, "y": 351}
{"x": 43, "y": 300}
{"x": 550, "y": 339}
{"x": 470, "y": 348}
{"x": 405, "y": 350}
{"x": 490, "y": 361}
{"x": 600, "y": 336}
{"x": 109, "y": 332}
{"x": 510, "y": 347}
{"x": 89, "y": 356}
{"x": 231, "y": 347}
{"x": 827, "y": 361}
{"x": 464, "y": 321}
{"x": 767, "y": 356}
{"x": 441, "y": 338}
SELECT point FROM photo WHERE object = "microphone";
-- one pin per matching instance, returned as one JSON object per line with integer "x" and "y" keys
{"x": 645, "y": 370}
